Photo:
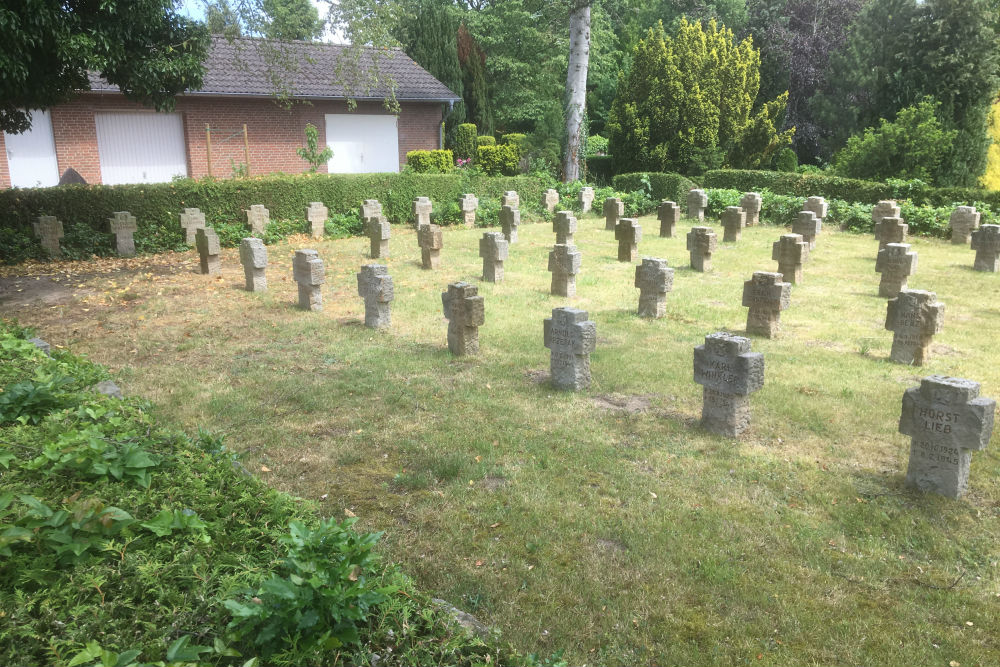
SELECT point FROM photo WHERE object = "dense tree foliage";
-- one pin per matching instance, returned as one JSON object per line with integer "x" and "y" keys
{"x": 144, "y": 46}
{"x": 291, "y": 19}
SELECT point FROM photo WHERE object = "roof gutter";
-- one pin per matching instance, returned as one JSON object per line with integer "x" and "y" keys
{"x": 450, "y": 100}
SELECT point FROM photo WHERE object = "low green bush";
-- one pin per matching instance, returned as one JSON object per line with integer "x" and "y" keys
{"x": 498, "y": 160}
{"x": 662, "y": 186}
{"x": 465, "y": 142}
{"x": 431, "y": 162}
{"x": 486, "y": 140}
{"x": 786, "y": 161}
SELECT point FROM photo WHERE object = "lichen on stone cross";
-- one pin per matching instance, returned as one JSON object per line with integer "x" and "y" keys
{"x": 751, "y": 202}
{"x": 818, "y": 206}
{"x": 896, "y": 263}
{"x": 378, "y": 230}
{"x": 614, "y": 209}
{"x": 469, "y": 203}
{"x": 564, "y": 263}
{"x": 253, "y": 257}
{"x": 422, "y": 208}
{"x": 570, "y": 337}
{"x": 946, "y": 420}
{"x": 654, "y": 279}
{"x": 891, "y": 230}
{"x": 258, "y": 217}
{"x": 310, "y": 274}
{"x": 586, "y": 199}
{"x": 701, "y": 243}
{"x": 791, "y": 251}
{"x": 669, "y": 214}
{"x": 964, "y": 220}
{"x": 192, "y": 219}
{"x": 375, "y": 287}
{"x": 48, "y": 230}
{"x": 510, "y": 219}
{"x": 628, "y": 233}
{"x": 564, "y": 226}
{"x": 697, "y": 200}
{"x": 510, "y": 198}
{"x": 207, "y": 242}
{"x": 734, "y": 219}
{"x": 766, "y": 295}
{"x": 914, "y": 317}
{"x": 728, "y": 372}
{"x": 317, "y": 214}
{"x": 493, "y": 250}
{"x": 123, "y": 226}
{"x": 431, "y": 241}
{"x": 808, "y": 225}
{"x": 550, "y": 200}
{"x": 463, "y": 308}
{"x": 986, "y": 243}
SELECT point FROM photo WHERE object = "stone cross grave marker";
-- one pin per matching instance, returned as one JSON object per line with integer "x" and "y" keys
{"x": 550, "y": 200}
{"x": 628, "y": 233}
{"x": 378, "y": 230}
{"x": 808, "y": 226}
{"x": 986, "y": 243}
{"x": 896, "y": 263}
{"x": 766, "y": 295}
{"x": 818, "y": 206}
{"x": 697, "y": 200}
{"x": 510, "y": 219}
{"x": 463, "y": 307}
{"x": 310, "y": 274}
{"x": 790, "y": 252}
{"x": 891, "y": 230}
{"x": 751, "y": 203}
{"x": 253, "y": 257}
{"x": 422, "y": 207}
{"x": 375, "y": 287}
{"x": 123, "y": 226}
{"x": 317, "y": 214}
{"x": 259, "y": 218}
{"x": 886, "y": 208}
{"x": 733, "y": 222}
{"x": 669, "y": 214}
{"x": 564, "y": 263}
{"x": 207, "y": 242}
{"x": 570, "y": 337}
{"x": 192, "y": 219}
{"x": 964, "y": 221}
{"x": 654, "y": 279}
{"x": 510, "y": 198}
{"x": 946, "y": 420}
{"x": 586, "y": 199}
{"x": 701, "y": 243}
{"x": 728, "y": 372}
{"x": 371, "y": 208}
{"x": 469, "y": 203}
{"x": 914, "y": 316}
{"x": 493, "y": 249}
{"x": 49, "y": 230}
{"x": 431, "y": 241}
{"x": 614, "y": 209}
{"x": 564, "y": 225}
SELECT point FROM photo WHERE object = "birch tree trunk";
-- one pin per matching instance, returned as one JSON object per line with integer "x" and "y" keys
{"x": 576, "y": 87}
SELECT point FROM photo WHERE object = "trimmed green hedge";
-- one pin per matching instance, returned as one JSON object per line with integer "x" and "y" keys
{"x": 661, "y": 185}
{"x": 486, "y": 140}
{"x": 498, "y": 160}
{"x": 85, "y": 209}
{"x": 431, "y": 162}
{"x": 847, "y": 189}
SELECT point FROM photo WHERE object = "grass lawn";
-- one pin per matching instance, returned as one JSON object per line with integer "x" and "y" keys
{"x": 603, "y": 522}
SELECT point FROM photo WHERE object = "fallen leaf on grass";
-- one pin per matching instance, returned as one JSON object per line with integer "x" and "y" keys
{"x": 265, "y": 469}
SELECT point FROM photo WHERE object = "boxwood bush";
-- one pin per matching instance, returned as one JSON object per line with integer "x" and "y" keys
{"x": 431, "y": 162}
{"x": 662, "y": 185}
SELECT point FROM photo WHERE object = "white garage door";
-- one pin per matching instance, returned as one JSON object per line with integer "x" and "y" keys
{"x": 362, "y": 143}
{"x": 31, "y": 156}
{"x": 140, "y": 147}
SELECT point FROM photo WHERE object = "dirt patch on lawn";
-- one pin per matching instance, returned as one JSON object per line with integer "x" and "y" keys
{"x": 632, "y": 405}
{"x": 537, "y": 375}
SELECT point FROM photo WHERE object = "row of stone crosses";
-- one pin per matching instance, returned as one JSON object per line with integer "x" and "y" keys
{"x": 724, "y": 365}
{"x": 944, "y": 416}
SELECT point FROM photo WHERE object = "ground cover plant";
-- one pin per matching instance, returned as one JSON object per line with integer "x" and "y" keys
{"x": 603, "y": 522}
{"x": 123, "y": 542}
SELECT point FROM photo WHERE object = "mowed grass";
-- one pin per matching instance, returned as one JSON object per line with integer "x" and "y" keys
{"x": 603, "y": 522}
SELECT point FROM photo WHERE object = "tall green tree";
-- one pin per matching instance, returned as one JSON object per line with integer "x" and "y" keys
{"x": 687, "y": 103}
{"x": 291, "y": 19}
{"x": 143, "y": 46}
{"x": 479, "y": 108}
{"x": 222, "y": 19}
{"x": 900, "y": 51}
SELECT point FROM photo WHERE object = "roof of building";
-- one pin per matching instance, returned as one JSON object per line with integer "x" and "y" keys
{"x": 263, "y": 68}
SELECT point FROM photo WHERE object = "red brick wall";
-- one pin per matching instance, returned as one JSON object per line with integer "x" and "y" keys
{"x": 274, "y": 132}
{"x": 4, "y": 168}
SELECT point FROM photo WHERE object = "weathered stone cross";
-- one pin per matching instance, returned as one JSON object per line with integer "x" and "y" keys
{"x": 192, "y": 219}
{"x": 375, "y": 287}
{"x": 766, "y": 295}
{"x": 510, "y": 218}
{"x": 654, "y": 279}
{"x": 564, "y": 225}
{"x": 571, "y": 337}
{"x": 469, "y": 203}
{"x": 808, "y": 226}
{"x": 914, "y": 317}
{"x": 208, "y": 250}
{"x": 701, "y": 243}
{"x": 317, "y": 214}
{"x": 891, "y": 230}
{"x": 258, "y": 217}
{"x": 628, "y": 232}
{"x": 463, "y": 307}
{"x": 253, "y": 257}
{"x": 790, "y": 252}
{"x": 431, "y": 241}
{"x": 123, "y": 226}
{"x": 422, "y": 207}
{"x": 614, "y": 209}
{"x": 564, "y": 263}
{"x": 896, "y": 263}
{"x": 728, "y": 372}
{"x": 986, "y": 243}
{"x": 697, "y": 200}
{"x": 751, "y": 203}
{"x": 49, "y": 230}
{"x": 493, "y": 250}
{"x": 669, "y": 214}
{"x": 310, "y": 274}
{"x": 733, "y": 222}
{"x": 964, "y": 220}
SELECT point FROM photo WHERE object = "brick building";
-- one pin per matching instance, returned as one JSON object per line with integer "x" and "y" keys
{"x": 109, "y": 139}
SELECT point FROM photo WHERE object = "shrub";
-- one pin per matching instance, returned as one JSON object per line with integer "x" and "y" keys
{"x": 311, "y": 153}
{"x": 911, "y": 146}
{"x": 498, "y": 160}
{"x": 465, "y": 142}
{"x": 662, "y": 186}
{"x": 596, "y": 145}
{"x": 787, "y": 160}
{"x": 486, "y": 140}
{"x": 431, "y": 162}
{"x": 600, "y": 169}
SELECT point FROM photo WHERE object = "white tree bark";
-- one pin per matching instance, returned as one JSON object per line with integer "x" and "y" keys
{"x": 576, "y": 87}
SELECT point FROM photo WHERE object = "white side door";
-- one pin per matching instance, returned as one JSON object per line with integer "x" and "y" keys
{"x": 362, "y": 143}
{"x": 140, "y": 147}
{"x": 31, "y": 156}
